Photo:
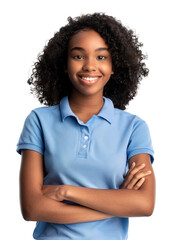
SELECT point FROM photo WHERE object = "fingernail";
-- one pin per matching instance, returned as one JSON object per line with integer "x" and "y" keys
{"x": 143, "y": 165}
{"x": 143, "y": 179}
{"x": 148, "y": 171}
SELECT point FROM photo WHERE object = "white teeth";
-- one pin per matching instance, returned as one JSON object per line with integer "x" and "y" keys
{"x": 89, "y": 79}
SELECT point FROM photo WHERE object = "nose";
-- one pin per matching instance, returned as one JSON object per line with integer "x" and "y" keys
{"x": 89, "y": 65}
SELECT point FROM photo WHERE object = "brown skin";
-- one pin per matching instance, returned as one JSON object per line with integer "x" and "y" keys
{"x": 137, "y": 194}
{"x": 120, "y": 202}
{"x": 87, "y": 100}
{"x": 42, "y": 202}
{"x": 35, "y": 206}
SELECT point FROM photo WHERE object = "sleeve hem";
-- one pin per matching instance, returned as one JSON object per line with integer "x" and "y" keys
{"x": 142, "y": 150}
{"x": 30, "y": 147}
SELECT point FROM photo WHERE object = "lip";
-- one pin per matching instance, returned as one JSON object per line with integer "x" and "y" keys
{"x": 89, "y": 75}
{"x": 91, "y": 82}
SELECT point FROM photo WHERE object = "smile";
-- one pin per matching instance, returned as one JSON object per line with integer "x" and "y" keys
{"x": 89, "y": 80}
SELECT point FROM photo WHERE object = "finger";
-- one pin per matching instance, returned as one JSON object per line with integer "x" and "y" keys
{"x": 132, "y": 173}
{"x": 137, "y": 169}
{"x": 139, "y": 184}
{"x": 127, "y": 180}
{"x": 131, "y": 167}
{"x": 136, "y": 178}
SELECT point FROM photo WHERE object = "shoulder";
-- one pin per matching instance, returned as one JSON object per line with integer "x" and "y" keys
{"x": 127, "y": 117}
{"x": 121, "y": 118}
{"x": 46, "y": 111}
{"x": 44, "y": 114}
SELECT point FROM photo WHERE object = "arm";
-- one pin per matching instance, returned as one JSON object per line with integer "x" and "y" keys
{"x": 120, "y": 202}
{"x": 36, "y": 207}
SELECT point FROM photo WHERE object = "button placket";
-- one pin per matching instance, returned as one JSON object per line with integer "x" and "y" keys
{"x": 86, "y": 137}
{"x": 84, "y": 141}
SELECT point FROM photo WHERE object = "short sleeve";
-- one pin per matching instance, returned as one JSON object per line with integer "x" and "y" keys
{"x": 31, "y": 136}
{"x": 140, "y": 140}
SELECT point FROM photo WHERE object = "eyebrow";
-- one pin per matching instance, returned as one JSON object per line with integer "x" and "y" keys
{"x": 82, "y": 49}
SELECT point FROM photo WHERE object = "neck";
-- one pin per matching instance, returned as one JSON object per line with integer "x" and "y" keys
{"x": 88, "y": 105}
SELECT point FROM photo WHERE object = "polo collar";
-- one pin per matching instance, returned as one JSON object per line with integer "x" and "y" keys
{"x": 107, "y": 111}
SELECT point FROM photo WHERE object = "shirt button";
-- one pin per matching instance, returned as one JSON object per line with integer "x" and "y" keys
{"x": 86, "y": 137}
{"x": 84, "y": 146}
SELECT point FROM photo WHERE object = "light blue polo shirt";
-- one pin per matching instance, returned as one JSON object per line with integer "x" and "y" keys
{"x": 93, "y": 155}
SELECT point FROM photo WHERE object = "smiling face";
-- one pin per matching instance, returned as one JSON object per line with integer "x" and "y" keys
{"x": 89, "y": 63}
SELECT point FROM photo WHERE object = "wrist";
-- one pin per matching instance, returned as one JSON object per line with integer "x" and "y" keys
{"x": 64, "y": 191}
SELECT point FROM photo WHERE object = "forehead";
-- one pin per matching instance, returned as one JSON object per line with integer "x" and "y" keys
{"x": 87, "y": 38}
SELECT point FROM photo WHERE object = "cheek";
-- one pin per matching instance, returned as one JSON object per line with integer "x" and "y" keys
{"x": 69, "y": 66}
{"x": 73, "y": 68}
{"x": 71, "y": 71}
{"x": 107, "y": 68}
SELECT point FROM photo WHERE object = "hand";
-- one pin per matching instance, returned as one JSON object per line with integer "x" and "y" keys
{"x": 135, "y": 178}
{"x": 55, "y": 192}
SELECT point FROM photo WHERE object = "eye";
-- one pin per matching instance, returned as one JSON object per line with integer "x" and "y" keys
{"x": 78, "y": 57}
{"x": 101, "y": 57}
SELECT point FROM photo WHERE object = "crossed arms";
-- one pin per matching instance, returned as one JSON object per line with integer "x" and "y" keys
{"x": 43, "y": 203}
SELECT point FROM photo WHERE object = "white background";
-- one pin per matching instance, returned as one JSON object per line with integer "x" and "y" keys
{"x": 25, "y": 28}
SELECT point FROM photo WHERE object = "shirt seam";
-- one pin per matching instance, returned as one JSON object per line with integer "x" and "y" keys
{"x": 22, "y": 144}
{"x": 140, "y": 149}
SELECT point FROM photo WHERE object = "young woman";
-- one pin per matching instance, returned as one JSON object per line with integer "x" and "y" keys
{"x": 77, "y": 150}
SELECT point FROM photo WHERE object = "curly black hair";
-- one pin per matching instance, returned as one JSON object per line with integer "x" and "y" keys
{"x": 50, "y": 81}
